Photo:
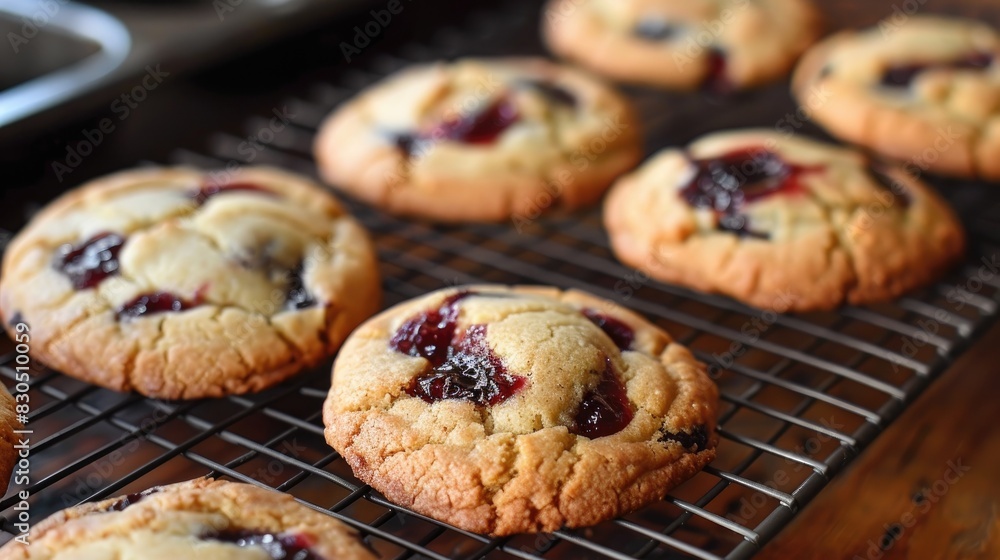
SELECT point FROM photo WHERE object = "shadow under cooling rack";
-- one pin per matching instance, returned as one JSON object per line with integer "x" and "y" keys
{"x": 801, "y": 394}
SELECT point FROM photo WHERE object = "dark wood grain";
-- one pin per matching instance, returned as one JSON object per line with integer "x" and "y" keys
{"x": 929, "y": 486}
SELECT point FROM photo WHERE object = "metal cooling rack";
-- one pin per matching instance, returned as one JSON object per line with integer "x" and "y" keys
{"x": 802, "y": 396}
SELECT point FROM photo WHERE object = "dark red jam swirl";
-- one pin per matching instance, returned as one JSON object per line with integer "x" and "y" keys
{"x": 728, "y": 183}
{"x": 902, "y": 75}
{"x": 471, "y": 372}
{"x": 462, "y": 365}
{"x": 429, "y": 334}
{"x": 91, "y": 262}
{"x": 605, "y": 409}
{"x": 156, "y": 302}
{"x": 621, "y": 334}
{"x": 285, "y": 546}
{"x": 482, "y": 127}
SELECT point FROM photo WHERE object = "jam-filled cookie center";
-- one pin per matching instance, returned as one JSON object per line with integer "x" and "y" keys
{"x": 464, "y": 366}
{"x": 621, "y": 334}
{"x": 156, "y": 302}
{"x": 605, "y": 409}
{"x": 728, "y": 183}
{"x": 480, "y": 127}
{"x": 91, "y": 262}
{"x": 485, "y": 125}
{"x": 285, "y": 546}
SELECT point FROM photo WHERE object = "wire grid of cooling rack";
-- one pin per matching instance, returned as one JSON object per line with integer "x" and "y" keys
{"x": 801, "y": 395}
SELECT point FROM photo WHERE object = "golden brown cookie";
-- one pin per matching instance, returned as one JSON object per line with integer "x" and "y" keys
{"x": 512, "y": 410}
{"x": 716, "y": 45}
{"x": 169, "y": 283}
{"x": 196, "y": 520}
{"x": 782, "y": 223}
{"x": 925, "y": 91}
{"x": 480, "y": 140}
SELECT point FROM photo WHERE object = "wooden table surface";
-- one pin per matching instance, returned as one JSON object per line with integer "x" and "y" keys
{"x": 928, "y": 487}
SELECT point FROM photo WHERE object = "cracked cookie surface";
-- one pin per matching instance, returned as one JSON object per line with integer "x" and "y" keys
{"x": 480, "y": 140}
{"x": 782, "y": 223}
{"x": 513, "y": 410}
{"x": 169, "y": 283}
{"x": 925, "y": 91}
{"x": 198, "y": 519}
{"x": 715, "y": 45}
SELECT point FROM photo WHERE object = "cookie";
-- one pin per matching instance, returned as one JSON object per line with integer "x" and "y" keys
{"x": 513, "y": 410}
{"x": 8, "y": 439}
{"x": 178, "y": 283}
{"x": 925, "y": 91}
{"x": 480, "y": 140}
{"x": 715, "y": 45}
{"x": 199, "y": 519}
{"x": 781, "y": 222}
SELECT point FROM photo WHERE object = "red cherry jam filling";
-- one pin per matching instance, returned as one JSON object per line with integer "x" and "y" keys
{"x": 903, "y": 75}
{"x": 696, "y": 440}
{"x": 617, "y": 331}
{"x": 429, "y": 334}
{"x": 463, "y": 366}
{"x": 728, "y": 183}
{"x": 131, "y": 499}
{"x": 277, "y": 547}
{"x": 210, "y": 189}
{"x": 156, "y": 302}
{"x": 89, "y": 263}
{"x": 483, "y": 127}
{"x": 605, "y": 409}
{"x": 471, "y": 372}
